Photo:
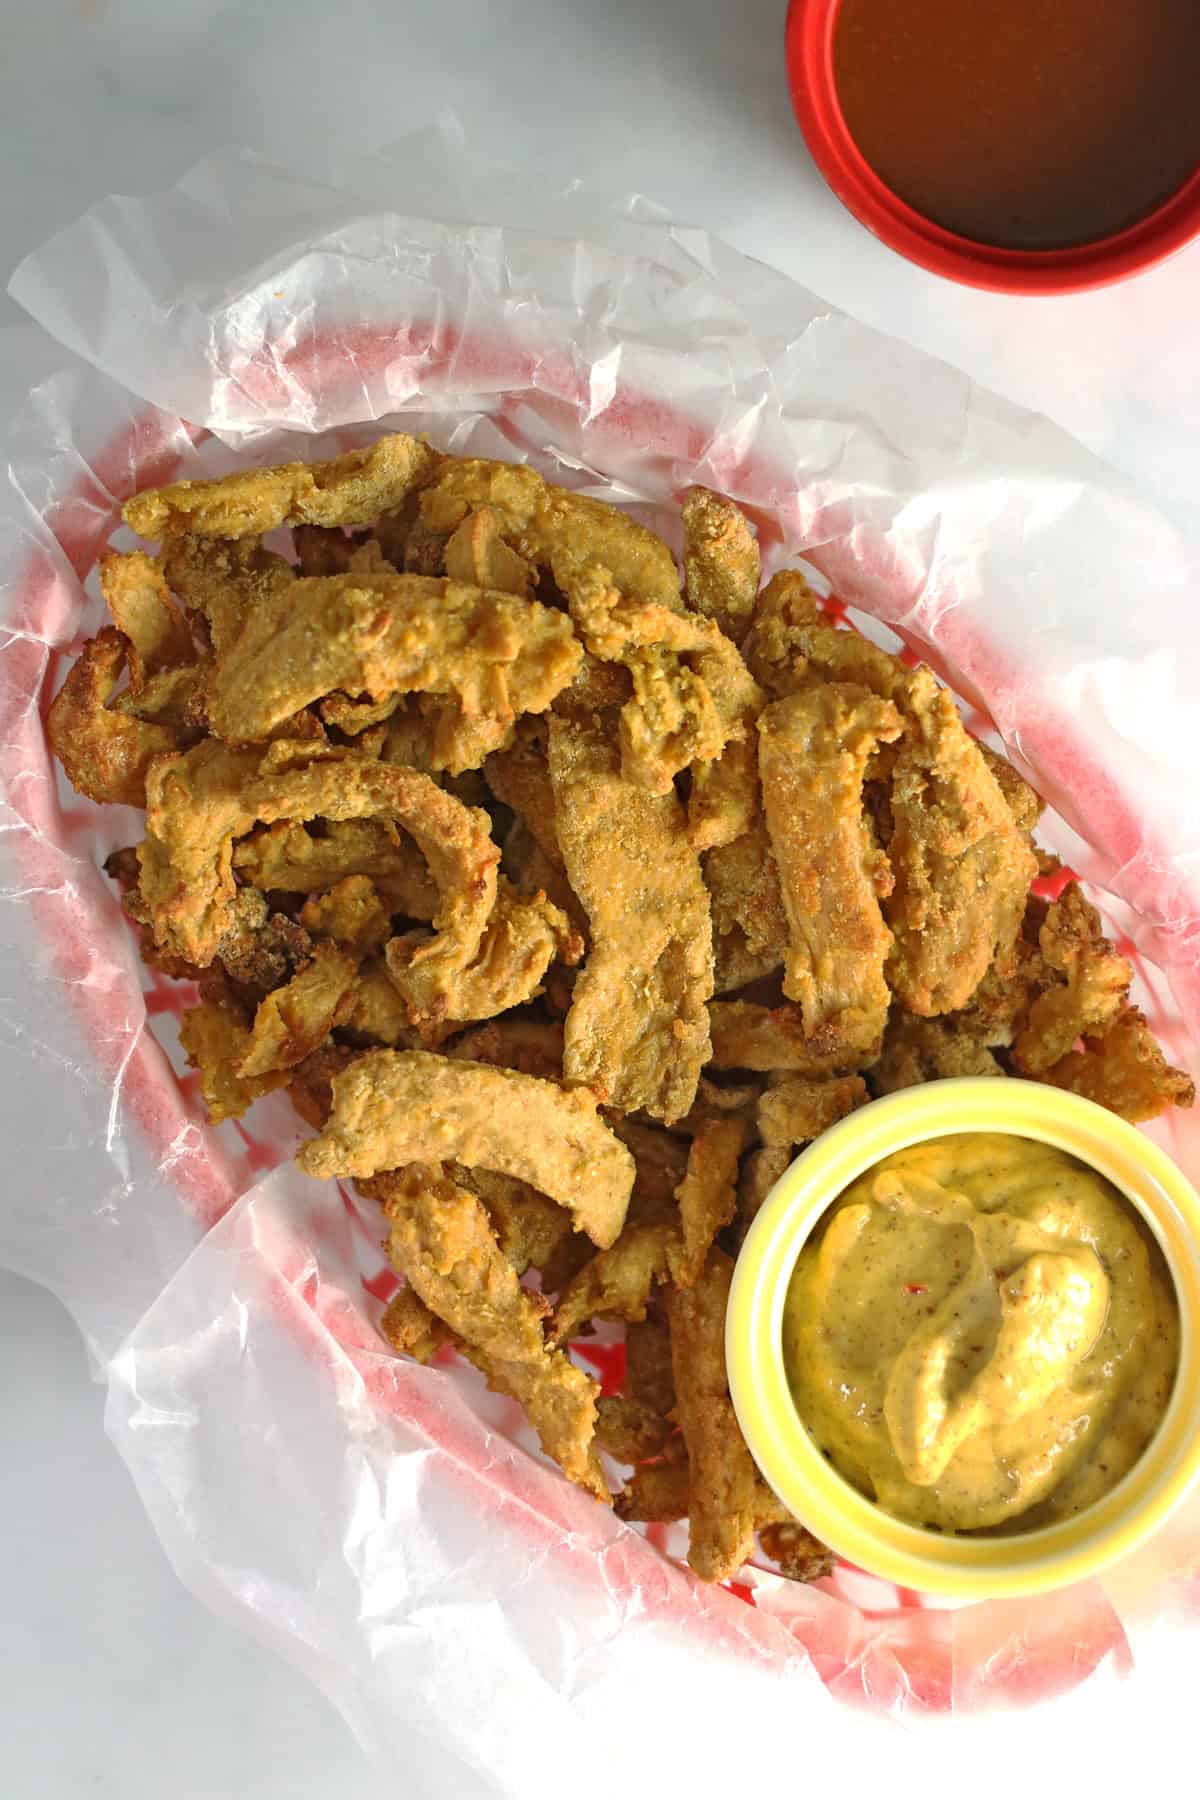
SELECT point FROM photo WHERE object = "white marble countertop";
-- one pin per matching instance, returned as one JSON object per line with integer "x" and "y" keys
{"x": 114, "y": 1683}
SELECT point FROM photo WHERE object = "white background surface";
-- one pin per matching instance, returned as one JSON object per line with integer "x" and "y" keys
{"x": 113, "y": 1682}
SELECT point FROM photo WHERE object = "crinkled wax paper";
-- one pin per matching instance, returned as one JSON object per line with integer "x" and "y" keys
{"x": 387, "y": 1526}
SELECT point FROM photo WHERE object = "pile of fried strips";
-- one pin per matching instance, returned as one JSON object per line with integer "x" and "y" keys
{"x": 568, "y": 896}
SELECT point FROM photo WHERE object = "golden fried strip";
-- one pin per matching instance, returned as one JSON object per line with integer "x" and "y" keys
{"x": 532, "y": 873}
{"x": 796, "y": 1110}
{"x": 743, "y": 882}
{"x": 522, "y": 938}
{"x": 800, "y": 1556}
{"x": 1124, "y": 1070}
{"x": 442, "y": 1242}
{"x": 397, "y": 1107}
{"x": 136, "y": 594}
{"x": 351, "y": 912}
{"x": 295, "y": 1020}
{"x": 813, "y": 750}
{"x": 736, "y": 966}
{"x": 1095, "y": 990}
{"x": 410, "y": 1327}
{"x": 657, "y": 1492}
{"x": 285, "y": 856}
{"x": 747, "y": 1036}
{"x": 531, "y": 1046}
{"x": 225, "y": 583}
{"x": 917, "y": 1050}
{"x": 171, "y": 697}
{"x": 107, "y": 754}
{"x": 724, "y": 1496}
{"x": 617, "y": 1282}
{"x": 649, "y": 1376}
{"x": 692, "y": 693}
{"x": 520, "y": 777}
{"x": 1025, "y": 805}
{"x": 215, "y": 1040}
{"x": 629, "y": 1429}
{"x": 724, "y": 802}
{"x": 661, "y": 1162}
{"x": 494, "y": 655}
{"x": 477, "y": 553}
{"x": 378, "y": 1012}
{"x": 962, "y": 866}
{"x": 547, "y": 524}
{"x": 529, "y": 1227}
{"x": 759, "y": 1173}
{"x": 348, "y": 490}
{"x": 707, "y": 1195}
{"x": 637, "y": 1031}
{"x": 310, "y": 1087}
{"x": 199, "y": 802}
{"x": 792, "y": 641}
{"x": 720, "y": 560}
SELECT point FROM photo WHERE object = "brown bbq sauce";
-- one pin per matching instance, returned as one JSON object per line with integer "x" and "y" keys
{"x": 1028, "y": 124}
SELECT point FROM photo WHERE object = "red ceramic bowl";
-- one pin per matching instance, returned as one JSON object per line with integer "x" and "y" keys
{"x": 810, "y": 28}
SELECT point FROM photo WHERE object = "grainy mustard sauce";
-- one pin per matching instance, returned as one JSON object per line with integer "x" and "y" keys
{"x": 981, "y": 1334}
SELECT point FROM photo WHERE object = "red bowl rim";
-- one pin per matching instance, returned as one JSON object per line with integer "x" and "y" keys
{"x": 1149, "y": 240}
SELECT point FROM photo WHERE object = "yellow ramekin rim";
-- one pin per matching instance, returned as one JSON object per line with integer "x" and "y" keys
{"x": 965, "y": 1568}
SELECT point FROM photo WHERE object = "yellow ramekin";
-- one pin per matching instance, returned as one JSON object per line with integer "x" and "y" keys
{"x": 965, "y": 1567}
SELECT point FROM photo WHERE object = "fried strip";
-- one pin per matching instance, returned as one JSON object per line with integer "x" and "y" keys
{"x": 723, "y": 1489}
{"x": 800, "y": 1556}
{"x": 215, "y": 1040}
{"x": 796, "y": 1110}
{"x": 520, "y": 777}
{"x": 442, "y": 1242}
{"x": 136, "y": 594}
{"x": 1095, "y": 990}
{"x": 295, "y": 1020}
{"x": 106, "y": 754}
{"x": 724, "y": 802}
{"x": 398, "y": 1107}
{"x": 649, "y": 1376}
{"x": 411, "y": 1329}
{"x": 532, "y": 873}
{"x": 707, "y": 1195}
{"x": 629, "y": 1429}
{"x": 1125, "y": 1071}
{"x": 961, "y": 863}
{"x": 1023, "y": 803}
{"x": 378, "y": 1012}
{"x": 225, "y": 583}
{"x": 285, "y": 856}
{"x": 550, "y": 525}
{"x": 493, "y": 655}
{"x": 477, "y": 553}
{"x": 657, "y": 1492}
{"x": 813, "y": 750}
{"x": 720, "y": 560}
{"x": 917, "y": 1050}
{"x": 743, "y": 881}
{"x": 692, "y": 693}
{"x": 530, "y": 1228}
{"x": 311, "y": 1085}
{"x": 522, "y": 938}
{"x": 351, "y": 913}
{"x": 531, "y": 1046}
{"x": 199, "y": 802}
{"x": 637, "y": 1031}
{"x": 348, "y": 490}
{"x": 760, "y": 1171}
{"x": 617, "y": 1283}
{"x": 792, "y": 641}
{"x": 747, "y": 1036}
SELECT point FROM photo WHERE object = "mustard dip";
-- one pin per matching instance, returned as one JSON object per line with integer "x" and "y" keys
{"x": 981, "y": 1332}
